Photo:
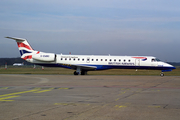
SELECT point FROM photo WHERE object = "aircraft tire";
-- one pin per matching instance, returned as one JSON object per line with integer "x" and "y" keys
{"x": 83, "y": 72}
{"x": 162, "y": 74}
{"x": 75, "y": 73}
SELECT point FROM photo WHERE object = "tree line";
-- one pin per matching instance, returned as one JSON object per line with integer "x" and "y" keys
{"x": 11, "y": 61}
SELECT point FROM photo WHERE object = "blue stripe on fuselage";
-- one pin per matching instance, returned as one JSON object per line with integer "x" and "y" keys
{"x": 105, "y": 67}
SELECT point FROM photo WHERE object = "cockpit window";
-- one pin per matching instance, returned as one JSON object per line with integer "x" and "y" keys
{"x": 158, "y": 59}
{"x": 155, "y": 60}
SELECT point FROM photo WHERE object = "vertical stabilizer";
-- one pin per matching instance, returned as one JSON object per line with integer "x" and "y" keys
{"x": 25, "y": 49}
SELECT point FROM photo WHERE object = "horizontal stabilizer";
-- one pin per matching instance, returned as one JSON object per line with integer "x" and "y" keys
{"x": 17, "y": 39}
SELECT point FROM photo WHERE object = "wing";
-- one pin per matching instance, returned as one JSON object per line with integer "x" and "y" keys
{"x": 81, "y": 66}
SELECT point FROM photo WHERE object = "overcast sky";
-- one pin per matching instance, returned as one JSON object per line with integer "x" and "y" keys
{"x": 93, "y": 27}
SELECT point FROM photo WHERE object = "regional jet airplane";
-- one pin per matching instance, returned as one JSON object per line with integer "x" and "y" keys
{"x": 83, "y": 63}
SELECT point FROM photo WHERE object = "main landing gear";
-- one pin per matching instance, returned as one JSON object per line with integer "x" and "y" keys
{"x": 162, "y": 74}
{"x": 76, "y": 73}
{"x": 82, "y": 73}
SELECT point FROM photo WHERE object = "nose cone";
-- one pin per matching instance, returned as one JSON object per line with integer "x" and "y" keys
{"x": 168, "y": 66}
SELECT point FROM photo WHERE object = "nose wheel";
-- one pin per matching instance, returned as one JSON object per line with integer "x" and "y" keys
{"x": 162, "y": 74}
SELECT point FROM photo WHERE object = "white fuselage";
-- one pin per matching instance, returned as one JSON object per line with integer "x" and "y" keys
{"x": 104, "y": 62}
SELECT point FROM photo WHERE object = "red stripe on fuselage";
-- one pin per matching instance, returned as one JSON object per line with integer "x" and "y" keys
{"x": 140, "y": 57}
{"x": 24, "y": 45}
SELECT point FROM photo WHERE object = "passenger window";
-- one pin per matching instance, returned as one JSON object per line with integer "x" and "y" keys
{"x": 124, "y": 60}
{"x": 129, "y": 60}
{"x": 114, "y": 59}
{"x": 105, "y": 59}
{"x": 61, "y": 58}
{"x": 92, "y": 59}
{"x": 78, "y": 59}
{"x": 119, "y": 60}
{"x": 96, "y": 59}
{"x": 101, "y": 59}
{"x": 74, "y": 59}
{"x": 82, "y": 59}
{"x": 110, "y": 60}
{"x": 69, "y": 58}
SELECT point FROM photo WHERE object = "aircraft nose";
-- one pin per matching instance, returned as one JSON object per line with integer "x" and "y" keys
{"x": 169, "y": 66}
{"x": 173, "y": 67}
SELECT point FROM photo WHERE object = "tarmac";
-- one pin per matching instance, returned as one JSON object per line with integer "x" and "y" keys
{"x": 69, "y": 97}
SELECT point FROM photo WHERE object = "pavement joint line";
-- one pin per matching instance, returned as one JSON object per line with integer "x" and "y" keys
{"x": 17, "y": 118}
{"x": 74, "y": 104}
{"x": 95, "y": 109}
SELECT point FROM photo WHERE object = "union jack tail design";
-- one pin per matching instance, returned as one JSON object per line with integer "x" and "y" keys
{"x": 25, "y": 49}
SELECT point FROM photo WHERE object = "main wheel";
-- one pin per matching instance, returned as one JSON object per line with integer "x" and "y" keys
{"x": 83, "y": 72}
{"x": 75, "y": 73}
{"x": 162, "y": 74}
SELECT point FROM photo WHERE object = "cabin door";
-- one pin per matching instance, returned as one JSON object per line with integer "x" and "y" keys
{"x": 137, "y": 62}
